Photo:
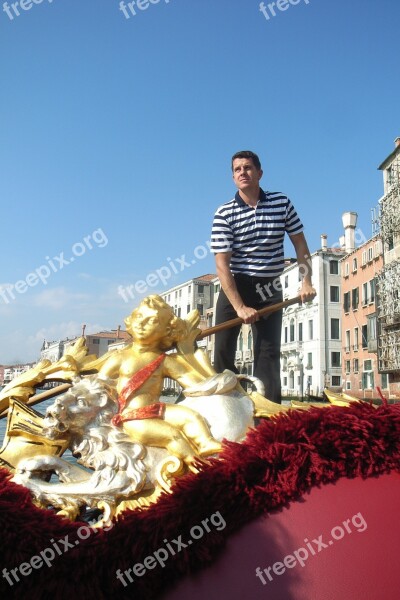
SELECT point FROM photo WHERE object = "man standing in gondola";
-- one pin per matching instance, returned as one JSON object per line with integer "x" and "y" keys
{"x": 248, "y": 242}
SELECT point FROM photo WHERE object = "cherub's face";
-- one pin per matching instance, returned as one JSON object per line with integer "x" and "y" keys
{"x": 149, "y": 325}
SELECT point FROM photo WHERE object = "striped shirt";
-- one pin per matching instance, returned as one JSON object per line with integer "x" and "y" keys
{"x": 255, "y": 236}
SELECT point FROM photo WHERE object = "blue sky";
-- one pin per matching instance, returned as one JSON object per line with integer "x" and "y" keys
{"x": 116, "y": 138}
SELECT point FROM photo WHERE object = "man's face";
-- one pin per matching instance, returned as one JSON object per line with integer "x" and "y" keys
{"x": 245, "y": 175}
{"x": 149, "y": 325}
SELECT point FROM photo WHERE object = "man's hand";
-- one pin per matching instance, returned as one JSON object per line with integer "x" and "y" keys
{"x": 247, "y": 314}
{"x": 307, "y": 292}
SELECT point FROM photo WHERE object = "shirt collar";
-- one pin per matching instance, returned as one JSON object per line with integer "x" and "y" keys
{"x": 241, "y": 202}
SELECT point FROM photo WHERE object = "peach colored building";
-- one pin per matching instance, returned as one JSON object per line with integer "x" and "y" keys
{"x": 359, "y": 268}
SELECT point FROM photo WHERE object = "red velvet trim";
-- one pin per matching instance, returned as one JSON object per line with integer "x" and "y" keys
{"x": 279, "y": 461}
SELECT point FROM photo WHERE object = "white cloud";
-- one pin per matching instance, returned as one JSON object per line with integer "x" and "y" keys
{"x": 57, "y": 298}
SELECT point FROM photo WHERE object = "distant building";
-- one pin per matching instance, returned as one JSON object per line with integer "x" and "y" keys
{"x": 13, "y": 371}
{"x": 98, "y": 343}
{"x": 388, "y": 293}
{"x": 311, "y": 332}
{"x": 359, "y": 325}
{"x": 52, "y": 351}
{"x": 197, "y": 293}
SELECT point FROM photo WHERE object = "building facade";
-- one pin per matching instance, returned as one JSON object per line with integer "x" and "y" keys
{"x": 388, "y": 293}
{"x": 311, "y": 332}
{"x": 359, "y": 324}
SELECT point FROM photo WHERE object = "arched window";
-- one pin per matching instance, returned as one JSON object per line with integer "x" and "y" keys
{"x": 241, "y": 341}
{"x": 291, "y": 380}
{"x": 250, "y": 340}
{"x": 292, "y": 330}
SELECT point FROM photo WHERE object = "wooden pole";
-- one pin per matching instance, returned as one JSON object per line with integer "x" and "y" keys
{"x": 237, "y": 321}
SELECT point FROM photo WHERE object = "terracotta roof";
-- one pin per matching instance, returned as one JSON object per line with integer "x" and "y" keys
{"x": 122, "y": 335}
{"x": 208, "y": 277}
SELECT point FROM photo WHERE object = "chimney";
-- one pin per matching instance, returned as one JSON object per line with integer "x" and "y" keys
{"x": 323, "y": 241}
{"x": 397, "y": 142}
{"x": 83, "y": 330}
{"x": 349, "y": 220}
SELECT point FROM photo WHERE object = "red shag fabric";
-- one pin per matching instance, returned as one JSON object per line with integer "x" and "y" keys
{"x": 279, "y": 461}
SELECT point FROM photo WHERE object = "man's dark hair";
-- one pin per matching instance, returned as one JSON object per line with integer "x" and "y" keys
{"x": 248, "y": 154}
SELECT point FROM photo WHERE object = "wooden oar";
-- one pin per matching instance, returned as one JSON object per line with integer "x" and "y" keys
{"x": 238, "y": 321}
{"x": 42, "y": 396}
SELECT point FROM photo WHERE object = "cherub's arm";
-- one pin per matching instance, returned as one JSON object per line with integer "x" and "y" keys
{"x": 111, "y": 367}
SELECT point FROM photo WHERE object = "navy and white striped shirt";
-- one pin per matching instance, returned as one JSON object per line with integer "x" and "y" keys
{"x": 255, "y": 235}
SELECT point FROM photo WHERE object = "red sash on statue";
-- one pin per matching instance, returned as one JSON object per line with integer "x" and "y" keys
{"x": 155, "y": 410}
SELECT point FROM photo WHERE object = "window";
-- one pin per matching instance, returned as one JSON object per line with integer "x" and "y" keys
{"x": 334, "y": 290}
{"x": 347, "y": 347}
{"x": 216, "y": 288}
{"x": 250, "y": 340}
{"x": 241, "y": 341}
{"x": 176, "y": 294}
{"x": 286, "y": 281}
{"x": 180, "y": 293}
{"x": 335, "y": 329}
{"x": 355, "y": 365}
{"x": 371, "y": 328}
{"x": 356, "y": 340}
{"x": 368, "y": 365}
{"x": 364, "y": 336}
{"x": 372, "y": 291}
{"x": 285, "y": 381}
{"x": 200, "y": 309}
{"x": 309, "y": 360}
{"x": 200, "y": 289}
{"x": 292, "y": 330}
{"x": 347, "y": 367}
{"x": 370, "y": 254}
{"x": 335, "y": 359}
{"x": 310, "y": 330}
{"x": 354, "y": 298}
{"x": 300, "y": 332}
{"x": 178, "y": 314}
{"x": 346, "y": 269}
{"x": 188, "y": 308}
{"x": 96, "y": 341}
{"x": 367, "y": 380}
{"x": 190, "y": 289}
{"x": 364, "y": 294}
{"x": 385, "y": 381}
{"x": 336, "y": 380}
{"x": 354, "y": 265}
{"x": 364, "y": 258}
{"x": 334, "y": 267}
{"x": 378, "y": 248}
{"x": 286, "y": 335}
{"x": 346, "y": 302}
{"x": 348, "y": 385}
